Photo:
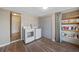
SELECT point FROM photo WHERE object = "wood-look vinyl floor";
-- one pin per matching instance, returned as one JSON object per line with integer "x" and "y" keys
{"x": 41, "y": 45}
{"x": 15, "y": 36}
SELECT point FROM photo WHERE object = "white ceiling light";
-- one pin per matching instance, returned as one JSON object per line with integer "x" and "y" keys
{"x": 14, "y": 14}
{"x": 45, "y": 7}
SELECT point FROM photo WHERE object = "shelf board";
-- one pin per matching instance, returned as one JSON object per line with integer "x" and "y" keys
{"x": 71, "y": 23}
{"x": 70, "y": 31}
{"x": 73, "y": 17}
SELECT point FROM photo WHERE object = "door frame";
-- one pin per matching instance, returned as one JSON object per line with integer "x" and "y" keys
{"x": 11, "y": 25}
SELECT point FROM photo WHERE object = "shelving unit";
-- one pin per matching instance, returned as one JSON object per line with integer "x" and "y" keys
{"x": 70, "y": 23}
{"x": 70, "y": 27}
{"x": 71, "y": 30}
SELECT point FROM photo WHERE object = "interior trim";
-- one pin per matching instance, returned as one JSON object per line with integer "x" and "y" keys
{"x": 9, "y": 43}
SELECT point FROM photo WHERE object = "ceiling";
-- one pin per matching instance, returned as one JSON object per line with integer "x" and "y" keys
{"x": 36, "y": 11}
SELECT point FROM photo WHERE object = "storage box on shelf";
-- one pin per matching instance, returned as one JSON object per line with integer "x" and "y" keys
{"x": 71, "y": 35}
{"x": 68, "y": 22}
{"x": 70, "y": 28}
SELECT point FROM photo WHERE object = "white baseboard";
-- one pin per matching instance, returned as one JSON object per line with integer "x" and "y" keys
{"x": 9, "y": 43}
{"x": 4, "y": 44}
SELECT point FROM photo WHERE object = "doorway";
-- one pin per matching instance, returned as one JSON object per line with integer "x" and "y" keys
{"x": 15, "y": 26}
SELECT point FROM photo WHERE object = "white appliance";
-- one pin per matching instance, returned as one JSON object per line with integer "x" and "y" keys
{"x": 37, "y": 33}
{"x": 29, "y": 35}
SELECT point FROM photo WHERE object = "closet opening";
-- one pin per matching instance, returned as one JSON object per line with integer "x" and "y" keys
{"x": 15, "y": 26}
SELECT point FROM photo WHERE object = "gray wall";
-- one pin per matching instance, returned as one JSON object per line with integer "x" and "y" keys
{"x": 4, "y": 26}
{"x": 46, "y": 25}
{"x": 26, "y": 20}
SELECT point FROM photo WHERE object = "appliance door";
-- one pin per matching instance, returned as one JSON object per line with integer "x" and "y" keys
{"x": 37, "y": 33}
{"x": 29, "y": 36}
{"x": 28, "y": 40}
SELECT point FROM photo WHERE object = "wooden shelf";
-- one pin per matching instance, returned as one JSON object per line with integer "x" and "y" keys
{"x": 71, "y": 23}
{"x": 71, "y": 18}
{"x": 71, "y": 30}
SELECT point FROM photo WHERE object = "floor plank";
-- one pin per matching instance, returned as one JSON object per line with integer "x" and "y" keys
{"x": 41, "y": 45}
